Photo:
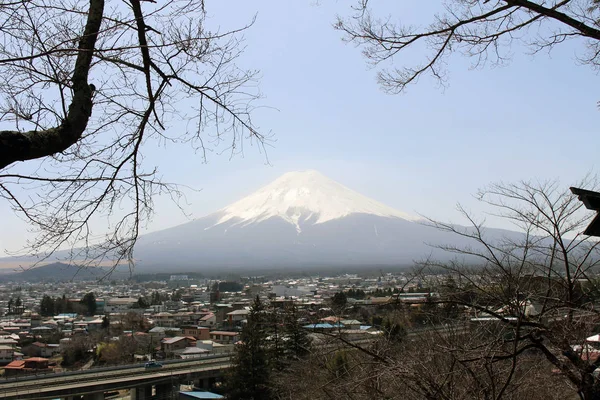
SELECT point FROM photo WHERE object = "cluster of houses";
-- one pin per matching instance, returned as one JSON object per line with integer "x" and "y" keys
{"x": 196, "y": 322}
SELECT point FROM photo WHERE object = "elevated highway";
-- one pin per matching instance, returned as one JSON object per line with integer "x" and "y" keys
{"x": 93, "y": 383}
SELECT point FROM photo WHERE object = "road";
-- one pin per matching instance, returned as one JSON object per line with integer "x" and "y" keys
{"x": 90, "y": 381}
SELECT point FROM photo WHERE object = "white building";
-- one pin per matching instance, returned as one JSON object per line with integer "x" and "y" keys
{"x": 119, "y": 304}
{"x": 6, "y": 353}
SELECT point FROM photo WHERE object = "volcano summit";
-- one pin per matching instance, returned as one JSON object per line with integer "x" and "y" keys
{"x": 302, "y": 198}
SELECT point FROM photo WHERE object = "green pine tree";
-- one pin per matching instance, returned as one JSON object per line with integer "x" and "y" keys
{"x": 394, "y": 331}
{"x": 339, "y": 300}
{"x": 249, "y": 377}
{"x": 142, "y": 302}
{"x": 297, "y": 342}
{"x": 275, "y": 342}
{"x": 47, "y": 306}
{"x": 105, "y": 322}
{"x": 338, "y": 365}
{"x": 89, "y": 302}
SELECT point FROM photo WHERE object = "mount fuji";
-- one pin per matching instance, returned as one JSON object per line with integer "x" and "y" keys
{"x": 302, "y": 219}
{"x": 304, "y": 198}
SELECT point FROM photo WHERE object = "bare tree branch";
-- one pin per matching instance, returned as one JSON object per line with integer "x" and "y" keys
{"x": 481, "y": 30}
{"x": 152, "y": 65}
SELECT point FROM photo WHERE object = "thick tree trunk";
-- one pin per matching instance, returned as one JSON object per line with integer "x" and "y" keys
{"x": 20, "y": 146}
{"x": 585, "y": 30}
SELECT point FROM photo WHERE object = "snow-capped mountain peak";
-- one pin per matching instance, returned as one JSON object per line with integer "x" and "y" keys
{"x": 304, "y": 197}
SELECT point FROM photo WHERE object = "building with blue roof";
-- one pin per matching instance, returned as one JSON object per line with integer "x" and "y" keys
{"x": 199, "y": 395}
{"x": 323, "y": 326}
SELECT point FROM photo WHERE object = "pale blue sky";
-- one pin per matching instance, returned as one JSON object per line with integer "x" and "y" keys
{"x": 420, "y": 152}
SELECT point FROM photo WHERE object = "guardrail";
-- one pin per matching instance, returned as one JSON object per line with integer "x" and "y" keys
{"x": 97, "y": 370}
{"x": 37, "y": 389}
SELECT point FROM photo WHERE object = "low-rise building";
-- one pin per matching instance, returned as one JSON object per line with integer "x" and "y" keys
{"x": 8, "y": 340}
{"x": 209, "y": 320}
{"x": 119, "y": 304}
{"x": 237, "y": 316}
{"x": 170, "y": 345}
{"x": 224, "y": 337}
{"x": 6, "y": 353}
{"x": 160, "y": 332}
{"x": 351, "y": 323}
{"x": 198, "y": 332}
{"x": 191, "y": 352}
{"x": 28, "y": 366}
{"x": 214, "y": 347}
{"x": 165, "y": 319}
{"x": 38, "y": 349}
{"x": 43, "y": 331}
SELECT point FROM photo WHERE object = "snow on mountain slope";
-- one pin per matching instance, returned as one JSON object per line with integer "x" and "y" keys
{"x": 304, "y": 197}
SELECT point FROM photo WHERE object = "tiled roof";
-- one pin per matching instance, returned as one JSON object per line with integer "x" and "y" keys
{"x": 17, "y": 364}
{"x": 174, "y": 339}
{"x": 226, "y": 333}
{"x": 239, "y": 312}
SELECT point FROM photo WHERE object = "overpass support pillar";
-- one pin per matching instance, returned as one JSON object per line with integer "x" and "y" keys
{"x": 202, "y": 383}
{"x": 94, "y": 396}
{"x": 164, "y": 391}
{"x": 141, "y": 392}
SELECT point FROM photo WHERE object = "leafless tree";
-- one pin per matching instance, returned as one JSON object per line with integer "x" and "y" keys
{"x": 483, "y": 30}
{"x": 86, "y": 87}
{"x": 418, "y": 368}
{"x": 510, "y": 316}
{"x": 529, "y": 300}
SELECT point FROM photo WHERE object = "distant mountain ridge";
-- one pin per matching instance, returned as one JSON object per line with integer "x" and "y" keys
{"x": 302, "y": 220}
{"x": 60, "y": 272}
